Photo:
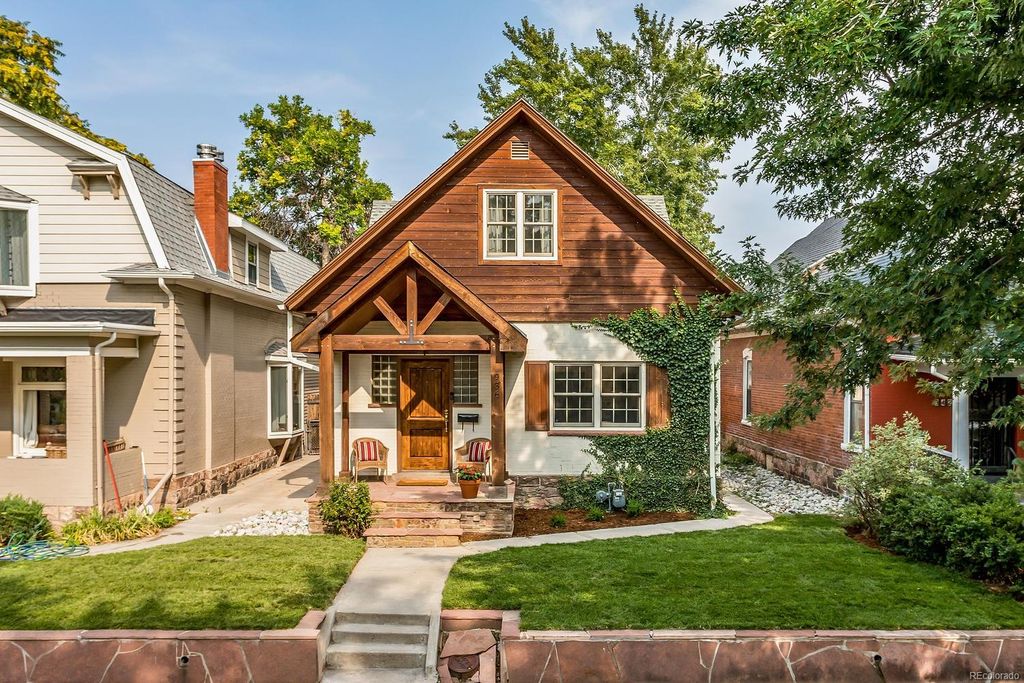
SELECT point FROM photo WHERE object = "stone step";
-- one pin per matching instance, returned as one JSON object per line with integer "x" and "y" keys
{"x": 412, "y": 538}
{"x": 362, "y": 656}
{"x": 380, "y": 506}
{"x": 381, "y": 618}
{"x": 416, "y": 519}
{"x": 380, "y": 633}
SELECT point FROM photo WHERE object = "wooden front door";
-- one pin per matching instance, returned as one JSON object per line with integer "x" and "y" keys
{"x": 423, "y": 408}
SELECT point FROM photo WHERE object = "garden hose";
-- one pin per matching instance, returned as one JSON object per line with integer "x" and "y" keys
{"x": 39, "y": 550}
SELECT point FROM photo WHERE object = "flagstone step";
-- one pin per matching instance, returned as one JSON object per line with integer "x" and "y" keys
{"x": 362, "y": 656}
{"x": 381, "y": 618}
{"x": 380, "y": 633}
{"x": 412, "y": 538}
{"x": 416, "y": 519}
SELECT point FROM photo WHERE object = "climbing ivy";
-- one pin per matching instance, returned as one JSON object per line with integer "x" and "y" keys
{"x": 665, "y": 468}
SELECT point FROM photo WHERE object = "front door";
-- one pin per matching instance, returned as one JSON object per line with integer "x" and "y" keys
{"x": 423, "y": 407}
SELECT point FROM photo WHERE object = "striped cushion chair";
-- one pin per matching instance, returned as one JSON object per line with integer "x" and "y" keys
{"x": 369, "y": 454}
{"x": 476, "y": 453}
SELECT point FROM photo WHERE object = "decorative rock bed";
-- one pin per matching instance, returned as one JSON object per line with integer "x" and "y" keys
{"x": 275, "y": 523}
{"x": 778, "y": 495}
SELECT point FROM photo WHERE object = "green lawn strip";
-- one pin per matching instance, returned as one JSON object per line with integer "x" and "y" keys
{"x": 797, "y": 572}
{"x": 209, "y": 583}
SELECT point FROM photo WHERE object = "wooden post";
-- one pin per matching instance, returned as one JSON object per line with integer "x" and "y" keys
{"x": 345, "y": 474}
{"x": 326, "y": 410}
{"x": 498, "y": 472}
{"x": 411, "y": 299}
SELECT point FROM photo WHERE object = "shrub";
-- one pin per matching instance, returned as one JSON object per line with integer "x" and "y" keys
{"x": 578, "y": 492}
{"x": 896, "y": 459}
{"x": 634, "y": 508}
{"x": 22, "y": 520}
{"x": 94, "y": 528}
{"x": 595, "y": 514}
{"x": 347, "y": 509}
{"x": 558, "y": 520}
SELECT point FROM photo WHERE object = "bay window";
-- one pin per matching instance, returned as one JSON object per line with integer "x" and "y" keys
{"x": 597, "y": 395}
{"x": 284, "y": 399}
{"x": 520, "y": 224}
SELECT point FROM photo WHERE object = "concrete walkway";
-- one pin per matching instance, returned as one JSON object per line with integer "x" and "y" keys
{"x": 281, "y": 488}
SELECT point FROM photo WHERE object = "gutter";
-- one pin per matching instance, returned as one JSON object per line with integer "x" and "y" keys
{"x": 98, "y": 379}
{"x": 172, "y": 341}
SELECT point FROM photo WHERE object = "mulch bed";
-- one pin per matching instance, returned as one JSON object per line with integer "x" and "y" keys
{"x": 537, "y": 522}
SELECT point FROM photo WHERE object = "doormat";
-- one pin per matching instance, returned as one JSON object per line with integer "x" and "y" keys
{"x": 422, "y": 482}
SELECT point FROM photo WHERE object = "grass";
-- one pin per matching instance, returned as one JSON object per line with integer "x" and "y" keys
{"x": 217, "y": 583}
{"x": 797, "y": 572}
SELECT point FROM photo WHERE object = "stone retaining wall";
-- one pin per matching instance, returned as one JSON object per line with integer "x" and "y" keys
{"x": 295, "y": 654}
{"x": 537, "y": 492}
{"x": 727, "y": 655}
{"x": 820, "y": 475}
{"x": 484, "y": 517}
{"x": 191, "y": 488}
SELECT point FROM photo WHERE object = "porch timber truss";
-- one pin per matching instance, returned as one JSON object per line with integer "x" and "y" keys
{"x": 408, "y": 275}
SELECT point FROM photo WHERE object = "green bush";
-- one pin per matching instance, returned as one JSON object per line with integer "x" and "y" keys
{"x": 22, "y": 520}
{"x": 167, "y": 517}
{"x": 578, "y": 492}
{"x": 595, "y": 514}
{"x": 634, "y": 508}
{"x": 558, "y": 520}
{"x": 94, "y": 527}
{"x": 896, "y": 459}
{"x": 347, "y": 509}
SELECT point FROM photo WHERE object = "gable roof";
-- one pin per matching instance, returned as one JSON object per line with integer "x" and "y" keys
{"x": 820, "y": 243}
{"x": 520, "y": 110}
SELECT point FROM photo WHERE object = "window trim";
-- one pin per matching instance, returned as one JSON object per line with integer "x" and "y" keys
{"x": 597, "y": 427}
{"x": 520, "y": 254}
{"x": 32, "y": 221}
{"x": 296, "y": 426}
{"x": 848, "y": 430}
{"x": 747, "y": 386}
{"x": 256, "y": 246}
{"x": 18, "y": 387}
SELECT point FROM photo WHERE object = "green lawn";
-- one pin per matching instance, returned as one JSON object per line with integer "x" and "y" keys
{"x": 222, "y": 583}
{"x": 795, "y": 572}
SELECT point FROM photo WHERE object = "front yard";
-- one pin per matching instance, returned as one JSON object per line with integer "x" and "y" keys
{"x": 209, "y": 583}
{"x": 797, "y": 572}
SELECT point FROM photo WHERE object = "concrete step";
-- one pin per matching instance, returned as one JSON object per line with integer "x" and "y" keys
{"x": 381, "y": 618}
{"x": 416, "y": 519}
{"x": 412, "y": 538}
{"x": 380, "y": 633}
{"x": 361, "y": 656}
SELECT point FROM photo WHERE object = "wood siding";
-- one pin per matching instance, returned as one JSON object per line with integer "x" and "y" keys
{"x": 659, "y": 405}
{"x": 607, "y": 261}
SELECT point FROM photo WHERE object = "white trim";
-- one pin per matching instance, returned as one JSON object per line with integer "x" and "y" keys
{"x": 75, "y": 328}
{"x": 255, "y": 232}
{"x": 520, "y": 254}
{"x": 746, "y": 372}
{"x": 256, "y": 282}
{"x": 206, "y": 247}
{"x": 18, "y": 450}
{"x": 848, "y": 430}
{"x": 961, "y": 434}
{"x": 296, "y": 427}
{"x": 32, "y": 224}
{"x": 596, "y": 425}
{"x": 86, "y": 145}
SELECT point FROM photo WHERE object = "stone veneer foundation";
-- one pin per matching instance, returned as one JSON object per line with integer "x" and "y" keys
{"x": 537, "y": 492}
{"x": 296, "y": 655}
{"x": 190, "y": 488}
{"x": 734, "y": 655}
{"x": 821, "y": 476}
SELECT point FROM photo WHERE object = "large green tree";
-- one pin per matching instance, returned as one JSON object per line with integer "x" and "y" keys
{"x": 907, "y": 118}
{"x": 636, "y": 107}
{"x": 303, "y": 177}
{"x": 28, "y": 78}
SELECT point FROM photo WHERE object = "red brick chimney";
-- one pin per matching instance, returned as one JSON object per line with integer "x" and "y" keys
{"x": 210, "y": 181}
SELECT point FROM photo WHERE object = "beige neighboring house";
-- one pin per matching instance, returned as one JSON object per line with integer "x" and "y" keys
{"x": 132, "y": 308}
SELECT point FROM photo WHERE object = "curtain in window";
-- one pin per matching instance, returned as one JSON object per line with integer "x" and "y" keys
{"x": 30, "y": 419}
{"x": 13, "y": 247}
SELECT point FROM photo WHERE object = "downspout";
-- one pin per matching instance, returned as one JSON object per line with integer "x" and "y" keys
{"x": 97, "y": 414}
{"x": 172, "y": 334}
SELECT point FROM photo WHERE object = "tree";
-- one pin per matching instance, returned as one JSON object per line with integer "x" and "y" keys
{"x": 28, "y": 78}
{"x": 633, "y": 106}
{"x": 303, "y": 176}
{"x": 904, "y": 116}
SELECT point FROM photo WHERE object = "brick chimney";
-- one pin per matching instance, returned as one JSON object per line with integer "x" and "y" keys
{"x": 210, "y": 181}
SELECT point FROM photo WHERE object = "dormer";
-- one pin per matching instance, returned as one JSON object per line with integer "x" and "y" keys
{"x": 251, "y": 247}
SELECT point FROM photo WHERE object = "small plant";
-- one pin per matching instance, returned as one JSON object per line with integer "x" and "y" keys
{"x": 167, "y": 517}
{"x": 347, "y": 509}
{"x": 466, "y": 473}
{"x": 95, "y": 528}
{"x": 558, "y": 520}
{"x": 22, "y": 521}
{"x": 634, "y": 508}
{"x": 595, "y": 514}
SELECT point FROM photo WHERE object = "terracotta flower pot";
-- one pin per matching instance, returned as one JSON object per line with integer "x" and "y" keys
{"x": 470, "y": 487}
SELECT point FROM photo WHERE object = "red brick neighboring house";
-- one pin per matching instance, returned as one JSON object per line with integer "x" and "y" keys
{"x": 754, "y": 377}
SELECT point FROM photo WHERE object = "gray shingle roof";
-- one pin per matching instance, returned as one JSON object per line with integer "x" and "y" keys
{"x": 379, "y": 207}
{"x": 289, "y": 270}
{"x": 825, "y": 240}
{"x": 9, "y": 195}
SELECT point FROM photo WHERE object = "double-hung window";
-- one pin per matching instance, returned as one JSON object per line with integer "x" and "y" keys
{"x": 40, "y": 409}
{"x": 597, "y": 395}
{"x": 520, "y": 224}
{"x": 18, "y": 248}
{"x": 855, "y": 418}
{"x": 285, "y": 411}
{"x": 252, "y": 263}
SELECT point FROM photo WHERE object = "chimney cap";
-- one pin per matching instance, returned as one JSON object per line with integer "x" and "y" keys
{"x": 205, "y": 150}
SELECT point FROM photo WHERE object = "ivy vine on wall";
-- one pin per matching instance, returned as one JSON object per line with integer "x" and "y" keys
{"x": 666, "y": 468}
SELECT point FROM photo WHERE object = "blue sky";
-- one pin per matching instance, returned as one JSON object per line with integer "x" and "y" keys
{"x": 162, "y": 76}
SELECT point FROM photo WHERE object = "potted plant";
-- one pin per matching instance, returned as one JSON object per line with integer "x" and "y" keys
{"x": 469, "y": 480}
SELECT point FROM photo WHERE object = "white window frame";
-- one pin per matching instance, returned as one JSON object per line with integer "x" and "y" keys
{"x": 596, "y": 425}
{"x": 748, "y": 382}
{"x": 296, "y": 423}
{"x": 32, "y": 209}
{"x": 18, "y": 448}
{"x": 849, "y": 430}
{"x": 521, "y": 254}
{"x": 256, "y": 282}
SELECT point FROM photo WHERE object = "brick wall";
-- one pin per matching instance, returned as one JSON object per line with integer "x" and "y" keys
{"x": 890, "y": 400}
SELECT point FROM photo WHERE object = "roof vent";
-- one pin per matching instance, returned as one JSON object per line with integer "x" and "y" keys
{"x": 208, "y": 151}
{"x": 520, "y": 149}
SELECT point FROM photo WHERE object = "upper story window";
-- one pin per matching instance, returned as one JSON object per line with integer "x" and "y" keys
{"x": 18, "y": 248}
{"x": 520, "y": 224}
{"x": 252, "y": 263}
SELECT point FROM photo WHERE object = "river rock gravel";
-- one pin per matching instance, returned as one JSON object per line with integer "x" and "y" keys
{"x": 270, "y": 523}
{"x": 778, "y": 495}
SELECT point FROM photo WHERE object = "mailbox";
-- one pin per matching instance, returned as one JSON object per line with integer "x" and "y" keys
{"x": 471, "y": 418}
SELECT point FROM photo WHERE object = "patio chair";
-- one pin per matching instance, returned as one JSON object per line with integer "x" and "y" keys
{"x": 369, "y": 454}
{"x": 475, "y": 453}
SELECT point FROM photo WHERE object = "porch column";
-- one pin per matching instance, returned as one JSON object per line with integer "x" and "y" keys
{"x": 326, "y": 410}
{"x": 345, "y": 358}
{"x": 498, "y": 473}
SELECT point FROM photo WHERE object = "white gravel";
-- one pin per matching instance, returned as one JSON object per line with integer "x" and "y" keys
{"x": 778, "y": 495}
{"x": 270, "y": 523}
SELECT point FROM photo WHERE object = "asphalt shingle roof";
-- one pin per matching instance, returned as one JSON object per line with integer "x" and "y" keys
{"x": 9, "y": 195}
{"x": 825, "y": 240}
